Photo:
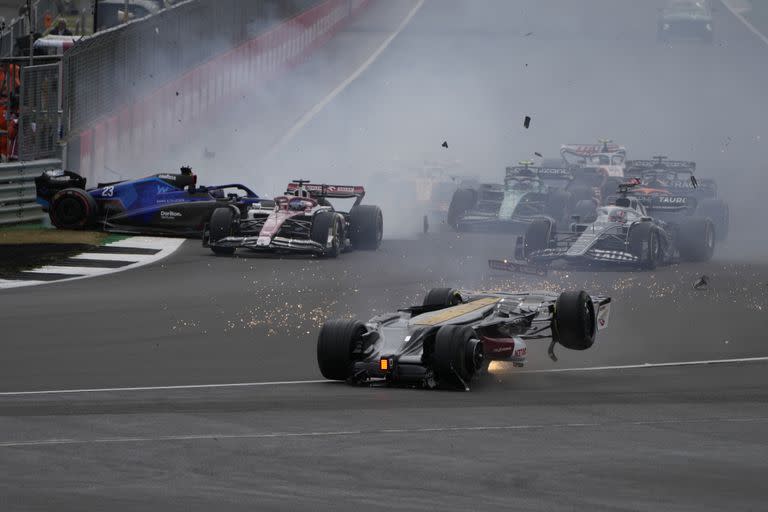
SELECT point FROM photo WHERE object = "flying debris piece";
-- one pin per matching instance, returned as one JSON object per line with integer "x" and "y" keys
{"x": 694, "y": 182}
{"x": 208, "y": 154}
{"x": 445, "y": 144}
{"x": 177, "y": 93}
{"x": 702, "y": 283}
{"x": 529, "y": 34}
{"x": 538, "y": 154}
{"x": 527, "y": 121}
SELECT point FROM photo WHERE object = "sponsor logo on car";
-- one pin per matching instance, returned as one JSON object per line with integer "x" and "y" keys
{"x": 672, "y": 200}
{"x": 169, "y": 214}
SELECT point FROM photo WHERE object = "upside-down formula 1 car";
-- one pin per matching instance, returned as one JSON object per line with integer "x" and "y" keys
{"x": 669, "y": 189}
{"x": 621, "y": 234}
{"x": 162, "y": 204}
{"x": 527, "y": 192}
{"x": 454, "y": 335}
{"x": 301, "y": 221}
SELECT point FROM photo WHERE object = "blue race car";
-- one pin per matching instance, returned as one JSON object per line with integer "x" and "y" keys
{"x": 162, "y": 204}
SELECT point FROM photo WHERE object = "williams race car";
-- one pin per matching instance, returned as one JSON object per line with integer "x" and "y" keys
{"x": 623, "y": 233}
{"x": 527, "y": 192}
{"x": 301, "y": 221}
{"x": 683, "y": 193}
{"x": 454, "y": 335}
{"x": 163, "y": 204}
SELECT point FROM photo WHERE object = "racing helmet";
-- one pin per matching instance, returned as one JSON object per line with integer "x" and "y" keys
{"x": 297, "y": 204}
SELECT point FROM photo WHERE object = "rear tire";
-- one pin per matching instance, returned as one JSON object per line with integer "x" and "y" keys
{"x": 538, "y": 235}
{"x": 221, "y": 226}
{"x": 718, "y": 212}
{"x": 452, "y": 359}
{"x": 462, "y": 201}
{"x": 696, "y": 239}
{"x": 366, "y": 225}
{"x": 573, "y": 324}
{"x": 73, "y": 208}
{"x": 644, "y": 243}
{"x": 442, "y": 297}
{"x": 335, "y": 343}
{"x": 325, "y": 224}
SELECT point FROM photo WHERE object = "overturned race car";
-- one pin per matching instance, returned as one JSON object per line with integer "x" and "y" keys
{"x": 301, "y": 221}
{"x": 455, "y": 334}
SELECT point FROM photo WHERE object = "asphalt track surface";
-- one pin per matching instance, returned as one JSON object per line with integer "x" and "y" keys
{"x": 669, "y": 438}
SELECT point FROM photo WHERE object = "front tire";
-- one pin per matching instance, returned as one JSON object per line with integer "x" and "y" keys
{"x": 366, "y": 225}
{"x": 573, "y": 324}
{"x": 335, "y": 343}
{"x": 538, "y": 236}
{"x": 644, "y": 242}
{"x": 73, "y": 208}
{"x": 719, "y": 213}
{"x": 457, "y": 355}
{"x": 696, "y": 239}
{"x": 327, "y": 224}
{"x": 442, "y": 297}
{"x": 462, "y": 201}
{"x": 221, "y": 226}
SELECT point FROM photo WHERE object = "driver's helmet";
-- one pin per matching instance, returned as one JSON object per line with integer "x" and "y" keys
{"x": 297, "y": 204}
{"x": 186, "y": 170}
{"x": 617, "y": 215}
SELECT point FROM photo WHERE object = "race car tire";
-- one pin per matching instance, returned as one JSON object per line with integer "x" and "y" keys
{"x": 442, "y": 297}
{"x": 462, "y": 201}
{"x": 221, "y": 226}
{"x": 538, "y": 235}
{"x": 73, "y": 208}
{"x": 718, "y": 212}
{"x": 585, "y": 210}
{"x": 573, "y": 323}
{"x": 323, "y": 223}
{"x": 452, "y": 363}
{"x": 335, "y": 343}
{"x": 696, "y": 239}
{"x": 558, "y": 202}
{"x": 609, "y": 188}
{"x": 580, "y": 193}
{"x": 644, "y": 243}
{"x": 366, "y": 226}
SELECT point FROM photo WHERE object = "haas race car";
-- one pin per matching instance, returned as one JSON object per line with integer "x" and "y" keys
{"x": 621, "y": 233}
{"x": 301, "y": 221}
{"x": 527, "y": 192}
{"x": 455, "y": 334}
{"x": 684, "y": 193}
{"x": 163, "y": 204}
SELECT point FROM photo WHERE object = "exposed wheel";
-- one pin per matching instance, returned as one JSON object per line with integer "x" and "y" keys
{"x": 573, "y": 324}
{"x": 457, "y": 355}
{"x": 538, "y": 235}
{"x": 221, "y": 226}
{"x": 335, "y": 343}
{"x": 366, "y": 225}
{"x": 644, "y": 243}
{"x": 462, "y": 201}
{"x": 696, "y": 239}
{"x": 586, "y": 210}
{"x": 73, "y": 208}
{"x": 442, "y": 297}
{"x": 558, "y": 202}
{"x": 718, "y": 212}
{"x": 327, "y": 230}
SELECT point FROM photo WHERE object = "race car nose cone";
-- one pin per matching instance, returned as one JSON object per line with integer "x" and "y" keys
{"x": 263, "y": 241}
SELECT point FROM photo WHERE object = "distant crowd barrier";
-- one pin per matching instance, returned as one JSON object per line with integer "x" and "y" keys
{"x": 156, "y": 119}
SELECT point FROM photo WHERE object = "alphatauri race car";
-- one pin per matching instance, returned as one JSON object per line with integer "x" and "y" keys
{"x": 527, "y": 192}
{"x": 300, "y": 221}
{"x": 668, "y": 189}
{"x": 163, "y": 204}
{"x": 622, "y": 233}
{"x": 454, "y": 335}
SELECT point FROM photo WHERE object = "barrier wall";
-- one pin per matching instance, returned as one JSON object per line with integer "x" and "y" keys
{"x": 169, "y": 114}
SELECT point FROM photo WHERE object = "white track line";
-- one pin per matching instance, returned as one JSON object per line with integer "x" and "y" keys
{"x": 127, "y": 258}
{"x": 323, "y": 381}
{"x": 346, "y": 433}
{"x": 650, "y": 365}
{"x": 311, "y": 113}
{"x": 75, "y": 271}
{"x": 744, "y": 20}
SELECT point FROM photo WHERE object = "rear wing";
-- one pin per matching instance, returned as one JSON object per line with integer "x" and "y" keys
{"x": 541, "y": 172}
{"x": 591, "y": 149}
{"x": 329, "y": 191}
{"x": 656, "y": 203}
{"x": 644, "y": 165}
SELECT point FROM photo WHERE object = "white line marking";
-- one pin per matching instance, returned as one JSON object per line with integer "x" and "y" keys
{"x": 345, "y": 433}
{"x": 744, "y": 20}
{"x": 649, "y": 365}
{"x": 163, "y": 388}
{"x": 76, "y": 271}
{"x": 309, "y": 115}
{"x": 166, "y": 246}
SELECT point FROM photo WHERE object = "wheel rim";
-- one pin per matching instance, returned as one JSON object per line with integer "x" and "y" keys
{"x": 69, "y": 211}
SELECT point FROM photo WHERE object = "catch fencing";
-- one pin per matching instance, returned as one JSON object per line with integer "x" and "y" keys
{"x": 17, "y": 190}
{"x": 137, "y": 89}
{"x": 39, "y": 112}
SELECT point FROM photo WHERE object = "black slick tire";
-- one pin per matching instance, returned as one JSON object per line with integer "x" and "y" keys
{"x": 220, "y": 226}
{"x": 696, "y": 239}
{"x": 366, "y": 227}
{"x": 573, "y": 324}
{"x": 462, "y": 201}
{"x": 335, "y": 343}
{"x": 442, "y": 297}
{"x": 73, "y": 208}
{"x": 450, "y": 361}
{"x": 558, "y": 202}
{"x": 327, "y": 223}
{"x": 719, "y": 213}
{"x": 644, "y": 243}
{"x": 538, "y": 235}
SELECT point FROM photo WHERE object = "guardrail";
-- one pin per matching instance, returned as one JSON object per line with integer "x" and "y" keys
{"x": 17, "y": 190}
